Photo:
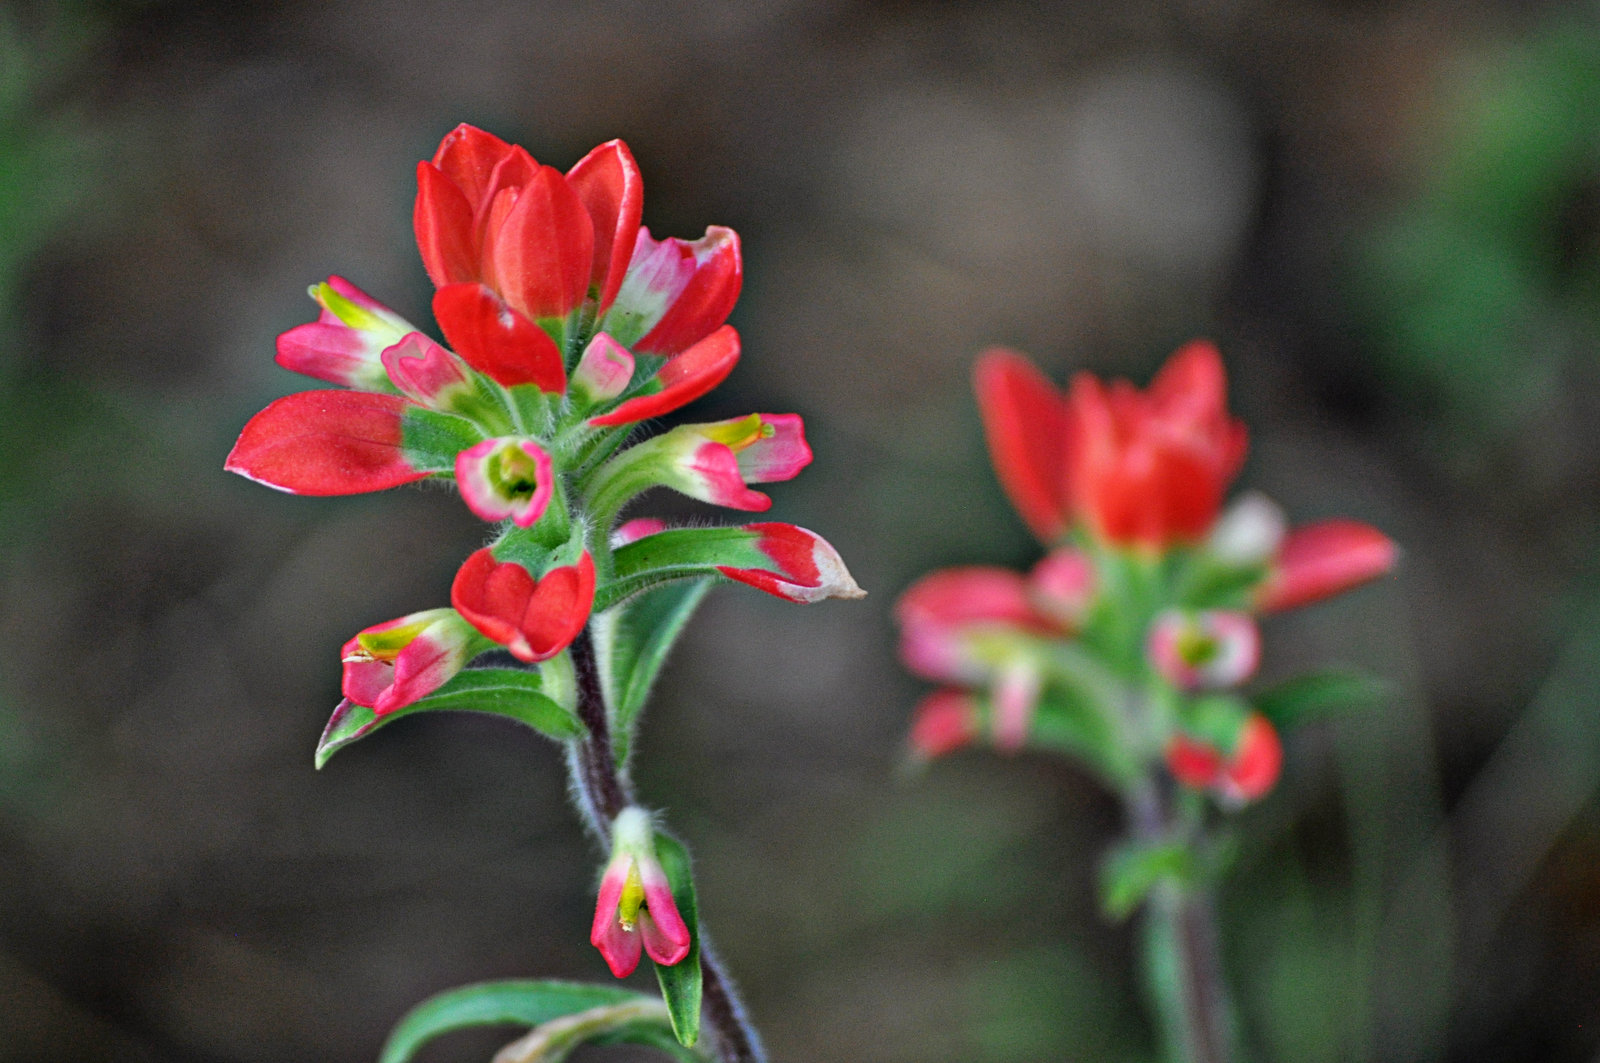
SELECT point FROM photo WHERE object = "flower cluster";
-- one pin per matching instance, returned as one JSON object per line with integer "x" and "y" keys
{"x": 1127, "y": 643}
{"x": 565, "y": 324}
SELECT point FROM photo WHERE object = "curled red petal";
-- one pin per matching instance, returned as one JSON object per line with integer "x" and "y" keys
{"x": 686, "y": 378}
{"x": 607, "y": 181}
{"x": 1323, "y": 559}
{"x": 468, "y": 156}
{"x": 538, "y": 246}
{"x": 706, "y": 300}
{"x": 443, "y": 219}
{"x": 1025, "y": 422}
{"x": 496, "y": 340}
{"x": 326, "y": 443}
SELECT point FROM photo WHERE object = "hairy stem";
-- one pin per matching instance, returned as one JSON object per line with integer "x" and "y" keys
{"x": 601, "y": 792}
{"x": 1183, "y": 965}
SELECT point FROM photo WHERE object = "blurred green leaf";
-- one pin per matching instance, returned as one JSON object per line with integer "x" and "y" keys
{"x": 1319, "y": 695}
{"x": 1131, "y": 870}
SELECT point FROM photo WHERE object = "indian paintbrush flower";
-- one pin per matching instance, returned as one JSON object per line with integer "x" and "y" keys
{"x": 635, "y": 911}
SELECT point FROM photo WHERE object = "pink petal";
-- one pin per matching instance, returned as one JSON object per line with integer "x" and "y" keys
{"x": 705, "y": 299}
{"x": 777, "y": 457}
{"x": 485, "y": 497}
{"x": 712, "y": 474}
{"x": 685, "y": 378}
{"x": 943, "y": 722}
{"x": 423, "y": 371}
{"x": 605, "y": 369}
{"x": 1324, "y": 559}
{"x": 666, "y": 938}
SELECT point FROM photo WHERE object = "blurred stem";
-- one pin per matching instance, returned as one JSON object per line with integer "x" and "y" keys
{"x": 602, "y": 792}
{"x": 1183, "y": 966}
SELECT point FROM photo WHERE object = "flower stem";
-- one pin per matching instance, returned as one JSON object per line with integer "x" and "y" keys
{"x": 1183, "y": 967}
{"x": 601, "y": 792}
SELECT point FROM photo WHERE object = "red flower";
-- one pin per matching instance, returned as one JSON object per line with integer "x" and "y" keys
{"x": 533, "y": 618}
{"x": 1139, "y": 468}
{"x": 1245, "y": 775}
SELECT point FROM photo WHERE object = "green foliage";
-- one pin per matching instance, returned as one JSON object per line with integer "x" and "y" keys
{"x": 509, "y": 692}
{"x": 1131, "y": 870}
{"x": 1318, "y": 695}
{"x": 640, "y": 634}
{"x": 680, "y": 983}
{"x": 534, "y": 1003}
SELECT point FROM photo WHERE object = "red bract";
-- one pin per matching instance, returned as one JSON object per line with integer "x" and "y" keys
{"x": 326, "y": 443}
{"x": 1150, "y": 468}
{"x": 1025, "y": 421}
{"x": 533, "y": 618}
{"x": 1139, "y": 468}
{"x": 1324, "y": 559}
{"x": 805, "y": 566}
{"x": 1248, "y": 774}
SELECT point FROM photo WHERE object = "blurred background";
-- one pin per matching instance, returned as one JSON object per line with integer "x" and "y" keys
{"x": 1388, "y": 214}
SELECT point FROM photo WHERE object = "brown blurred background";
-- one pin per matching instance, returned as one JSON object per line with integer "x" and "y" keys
{"x": 1387, "y": 214}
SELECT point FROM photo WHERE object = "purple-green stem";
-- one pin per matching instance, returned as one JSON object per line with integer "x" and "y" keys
{"x": 601, "y": 792}
{"x": 1183, "y": 964}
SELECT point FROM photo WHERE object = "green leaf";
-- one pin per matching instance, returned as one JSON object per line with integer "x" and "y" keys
{"x": 642, "y": 632}
{"x": 520, "y": 1002}
{"x": 1132, "y": 870}
{"x": 680, "y": 983}
{"x": 1320, "y": 694}
{"x": 510, "y": 692}
{"x": 682, "y": 553}
{"x": 1209, "y": 584}
{"x": 431, "y": 440}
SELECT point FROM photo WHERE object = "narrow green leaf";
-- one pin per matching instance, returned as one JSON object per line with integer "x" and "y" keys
{"x": 680, "y": 983}
{"x": 682, "y": 553}
{"x": 520, "y": 1002}
{"x": 1132, "y": 870}
{"x": 510, "y": 692}
{"x": 1320, "y": 694}
{"x": 644, "y": 630}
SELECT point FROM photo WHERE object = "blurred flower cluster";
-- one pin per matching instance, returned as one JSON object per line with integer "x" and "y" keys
{"x": 1128, "y": 643}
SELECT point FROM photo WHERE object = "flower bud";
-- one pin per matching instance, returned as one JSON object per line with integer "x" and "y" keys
{"x": 1211, "y": 649}
{"x": 390, "y": 665}
{"x": 635, "y": 911}
{"x": 506, "y": 478}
